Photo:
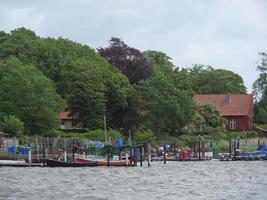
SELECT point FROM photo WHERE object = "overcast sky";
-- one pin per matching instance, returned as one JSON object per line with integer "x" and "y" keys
{"x": 225, "y": 34}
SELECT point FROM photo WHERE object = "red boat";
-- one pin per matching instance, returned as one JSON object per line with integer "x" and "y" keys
{"x": 103, "y": 162}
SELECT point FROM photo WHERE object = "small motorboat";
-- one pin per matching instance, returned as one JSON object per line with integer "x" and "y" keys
{"x": 102, "y": 162}
{"x": 57, "y": 163}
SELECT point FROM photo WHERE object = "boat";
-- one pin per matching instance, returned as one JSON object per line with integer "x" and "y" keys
{"x": 57, "y": 163}
{"x": 102, "y": 162}
{"x": 18, "y": 163}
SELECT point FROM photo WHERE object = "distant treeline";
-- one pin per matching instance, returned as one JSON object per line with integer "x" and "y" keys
{"x": 137, "y": 91}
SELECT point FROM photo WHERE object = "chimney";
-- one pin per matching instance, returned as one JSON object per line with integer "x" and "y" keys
{"x": 228, "y": 98}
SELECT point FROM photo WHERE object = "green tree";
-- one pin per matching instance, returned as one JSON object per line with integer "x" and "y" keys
{"x": 206, "y": 116}
{"x": 26, "y": 93}
{"x": 162, "y": 107}
{"x": 207, "y": 80}
{"x": 260, "y": 85}
{"x": 12, "y": 125}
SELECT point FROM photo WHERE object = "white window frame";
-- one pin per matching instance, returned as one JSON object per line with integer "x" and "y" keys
{"x": 232, "y": 124}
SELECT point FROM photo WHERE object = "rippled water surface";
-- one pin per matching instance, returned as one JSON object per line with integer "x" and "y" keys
{"x": 175, "y": 180}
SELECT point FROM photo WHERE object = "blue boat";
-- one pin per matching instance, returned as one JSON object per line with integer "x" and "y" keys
{"x": 260, "y": 153}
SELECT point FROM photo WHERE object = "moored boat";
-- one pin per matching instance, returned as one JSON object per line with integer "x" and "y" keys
{"x": 57, "y": 163}
{"x": 103, "y": 162}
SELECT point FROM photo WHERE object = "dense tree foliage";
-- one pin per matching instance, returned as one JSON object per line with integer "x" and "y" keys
{"x": 260, "y": 85}
{"x": 137, "y": 91}
{"x": 207, "y": 80}
{"x": 12, "y": 125}
{"x": 206, "y": 116}
{"x": 260, "y": 91}
{"x": 27, "y": 94}
{"x": 129, "y": 61}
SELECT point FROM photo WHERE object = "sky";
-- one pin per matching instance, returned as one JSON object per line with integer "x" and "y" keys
{"x": 227, "y": 34}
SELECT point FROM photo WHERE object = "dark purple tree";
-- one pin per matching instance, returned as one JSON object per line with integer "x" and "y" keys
{"x": 130, "y": 61}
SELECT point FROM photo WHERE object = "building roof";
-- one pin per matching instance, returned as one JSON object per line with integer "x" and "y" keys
{"x": 229, "y": 104}
{"x": 65, "y": 115}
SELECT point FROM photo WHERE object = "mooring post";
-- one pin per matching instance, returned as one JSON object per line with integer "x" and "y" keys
{"x": 164, "y": 150}
{"x": 30, "y": 157}
{"x": 65, "y": 150}
{"x": 230, "y": 148}
{"x": 141, "y": 156}
{"x": 149, "y": 154}
{"x": 234, "y": 149}
{"x": 135, "y": 159}
{"x": 44, "y": 153}
{"x": 199, "y": 150}
{"x": 174, "y": 148}
{"x": 108, "y": 158}
{"x": 131, "y": 157}
{"x": 194, "y": 149}
{"x": 203, "y": 149}
{"x": 73, "y": 151}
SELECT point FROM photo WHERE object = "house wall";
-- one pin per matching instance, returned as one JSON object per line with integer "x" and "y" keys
{"x": 243, "y": 123}
{"x": 66, "y": 124}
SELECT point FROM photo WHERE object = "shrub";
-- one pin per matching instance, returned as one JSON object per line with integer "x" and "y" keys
{"x": 12, "y": 126}
{"x": 144, "y": 137}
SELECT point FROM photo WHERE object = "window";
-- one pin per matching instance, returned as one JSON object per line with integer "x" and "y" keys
{"x": 232, "y": 124}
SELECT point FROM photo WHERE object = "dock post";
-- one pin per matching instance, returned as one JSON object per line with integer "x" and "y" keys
{"x": 44, "y": 153}
{"x": 234, "y": 149}
{"x": 65, "y": 151}
{"x": 194, "y": 149}
{"x": 230, "y": 148}
{"x": 127, "y": 159}
{"x": 141, "y": 156}
{"x": 131, "y": 157}
{"x": 199, "y": 151}
{"x": 73, "y": 151}
{"x": 30, "y": 158}
{"x": 108, "y": 158}
{"x": 203, "y": 149}
{"x": 164, "y": 150}
{"x": 149, "y": 154}
{"x": 135, "y": 159}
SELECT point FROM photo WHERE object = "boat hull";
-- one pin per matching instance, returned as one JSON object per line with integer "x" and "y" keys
{"x": 56, "y": 163}
{"x": 103, "y": 162}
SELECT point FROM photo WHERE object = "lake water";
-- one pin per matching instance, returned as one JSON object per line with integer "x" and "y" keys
{"x": 239, "y": 180}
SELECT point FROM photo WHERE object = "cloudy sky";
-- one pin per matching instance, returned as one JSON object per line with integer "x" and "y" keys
{"x": 226, "y": 34}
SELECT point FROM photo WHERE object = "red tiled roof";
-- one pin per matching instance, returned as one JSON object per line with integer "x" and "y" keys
{"x": 229, "y": 104}
{"x": 65, "y": 115}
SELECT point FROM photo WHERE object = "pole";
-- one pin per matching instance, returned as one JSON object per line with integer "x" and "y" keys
{"x": 203, "y": 149}
{"x": 30, "y": 157}
{"x": 73, "y": 151}
{"x": 43, "y": 153}
{"x": 141, "y": 156}
{"x": 199, "y": 158}
{"x": 65, "y": 151}
{"x": 108, "y": 158}
{"x": 164, "y": 149}
{"x": 37, "y": 149}
{"x": 194, "y": 149}
{"x": 127, "y": 159}
{"x": 135, "y": 159}
{"x": 235, "y": 145}
{"x": 149, "y": 154}
{"x": 105, "y": 126}
{"x": 230, "y": 149}
{"x": 131, "y": 157}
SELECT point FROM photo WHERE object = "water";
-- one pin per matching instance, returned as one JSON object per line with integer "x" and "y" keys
{"x": 175, "y": 180}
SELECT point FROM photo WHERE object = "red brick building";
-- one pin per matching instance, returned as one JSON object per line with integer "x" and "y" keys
{"x": 237, "y": 109}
